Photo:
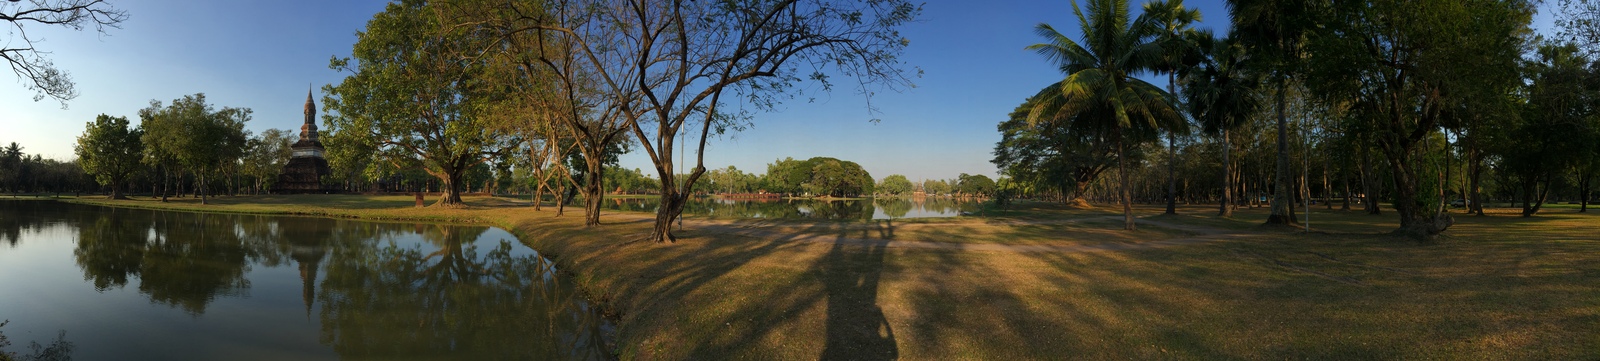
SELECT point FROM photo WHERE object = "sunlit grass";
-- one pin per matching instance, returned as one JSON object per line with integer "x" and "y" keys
{"x": 1495, "y": 287}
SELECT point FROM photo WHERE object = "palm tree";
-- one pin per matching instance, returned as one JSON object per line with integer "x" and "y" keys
{"x": 1223, "y": 92}
{"x": 1100, "y": 82}
{"x": 1177, "y": 39}
{"x": 1273, "y": 30}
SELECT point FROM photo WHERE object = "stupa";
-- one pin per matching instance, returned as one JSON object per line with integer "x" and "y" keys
{"x": 306, "y": 166}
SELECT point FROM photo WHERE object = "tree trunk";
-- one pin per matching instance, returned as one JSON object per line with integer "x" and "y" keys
{"x": 200, "y": 187}
{"x": 1414, "y": 221}
{"x": 1584, "y": 181}
{"x": 166, "y": 181}
{"x": 1282, "y": 201}
{"x": 1474, "y": 171}
{"x": 451, "y": 188}
{"x": 1122, "y": 194}
{"x": 1172, "y": 155}
{"x": 1227, "y": 177}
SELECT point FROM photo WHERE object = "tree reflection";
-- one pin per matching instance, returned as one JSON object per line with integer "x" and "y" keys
{"x": 193, "y": 259}
{"x": 398, "y": 302}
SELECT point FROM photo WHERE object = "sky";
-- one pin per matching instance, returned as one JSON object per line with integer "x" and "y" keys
{"x": 264, "y": 55}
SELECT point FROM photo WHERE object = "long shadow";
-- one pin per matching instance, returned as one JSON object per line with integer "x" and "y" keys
{"x": 857, "y": 329}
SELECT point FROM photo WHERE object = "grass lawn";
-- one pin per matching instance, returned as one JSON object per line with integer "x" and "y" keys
{"x": 1498, "y": 287}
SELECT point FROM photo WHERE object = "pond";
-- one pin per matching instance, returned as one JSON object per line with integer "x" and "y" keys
{"x": 850, "y": 209}
{"x": 129, "y": 284}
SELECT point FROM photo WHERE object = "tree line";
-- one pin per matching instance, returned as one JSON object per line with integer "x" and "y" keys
{"x": 1417, "y": 104}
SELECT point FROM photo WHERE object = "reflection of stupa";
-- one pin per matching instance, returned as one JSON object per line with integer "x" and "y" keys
{"x": 309, "y": 262}
{"x": 306, "y": 167}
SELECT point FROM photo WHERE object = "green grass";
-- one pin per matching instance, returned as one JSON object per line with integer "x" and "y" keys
{"x": 1496, "y": 287}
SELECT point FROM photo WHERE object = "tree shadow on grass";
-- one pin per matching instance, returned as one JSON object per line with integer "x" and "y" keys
{"x": 857, "y": 329}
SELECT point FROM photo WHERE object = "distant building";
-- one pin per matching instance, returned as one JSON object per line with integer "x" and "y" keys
{"x": 306, "y": 167}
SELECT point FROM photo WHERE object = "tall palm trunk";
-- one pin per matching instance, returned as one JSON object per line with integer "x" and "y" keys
{"x": 1227, "y": 177}
{"x": 1172, "y": 154}
{"x": 1122, "y": 194}
{"x": 1282, "y": 201}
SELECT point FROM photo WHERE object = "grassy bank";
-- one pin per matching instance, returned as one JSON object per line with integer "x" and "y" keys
{"x": 1499, "y": 287}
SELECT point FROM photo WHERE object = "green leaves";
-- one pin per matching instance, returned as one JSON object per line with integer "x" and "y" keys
{"x": 110, "y": 150}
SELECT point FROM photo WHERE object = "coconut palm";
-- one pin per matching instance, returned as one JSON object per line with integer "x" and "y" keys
{"x": 1274, "y": 30}
{"x": 1222, "y": 93}
{"x": 1100, "y": 81}
{"x": 1178, "y": 42}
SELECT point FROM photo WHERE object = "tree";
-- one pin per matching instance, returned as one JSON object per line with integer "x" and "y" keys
{"x": 975, "y": 185}
{"x": 193, "y": 135}
{"x": 11, "y": 166}
{"x": 413, "y": 97}
{"x": 935, "y": 187}
{"x": 1100, "y": 81}
{"x": 37, "y": 72}
{"x": 1552, "y": 137}
{"x": 266, "y": 155}
{"x": 1065, "y": 158}
{"x": 555, "y": 84}
{"x": 1224, "y": 93}
{"x": 670, "y": 64}
{"x": 837, "y": 178}
{"x": 1274, "y": 31}
{"x": 110, "y": 151}
{"x": 895, "y": 184}
{"x": 1180, "y": 50}
{"x": 1402, "y": 65}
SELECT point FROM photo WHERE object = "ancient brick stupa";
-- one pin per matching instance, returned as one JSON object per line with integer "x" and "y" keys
{"x": 306, "y": 167}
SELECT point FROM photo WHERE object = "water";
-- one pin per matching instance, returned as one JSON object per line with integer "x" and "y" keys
{"x": 128, "y": 284}
{"x": 862, "y": 209}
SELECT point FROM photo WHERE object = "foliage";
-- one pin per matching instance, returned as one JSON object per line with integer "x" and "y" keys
{"x": 1066, "y": 159}
{"x": 192, "y": 134}
{"x": 975, "y": 185}
{"x": 110, "y": 151}
{"x": 1100, "y": 92}
{"x": 1401, "y": 66}
{"x": 37, "y": 72}
{"x": 414, "y": 99}
{"x": 679, "y": 64}
{"x": 266, "y": 156}
{"x": 819, "y": 176}
{"x": 895, "y": 184}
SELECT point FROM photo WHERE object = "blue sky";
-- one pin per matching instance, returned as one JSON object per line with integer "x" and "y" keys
{"x": 263, "y": 54}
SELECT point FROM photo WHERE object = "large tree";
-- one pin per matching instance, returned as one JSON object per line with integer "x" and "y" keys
{"x": 560, "y": 94}
{"x": 1181, "y": 49}
{"x": 675, "y": 65}
{"x": 111, "y": 151}
{"x": 1063, "y": 158}
{"x": 195, "y": 136}
{"x": 1553, "y": 137}
{"x": 1100, "y": 81}
{"x": 415, "y": 99}
{"x": 1403, "y": 65}
{"x": 37, "y": 72}
{"x": 1223, "y": 93}
{"x": 1275, "y": 30}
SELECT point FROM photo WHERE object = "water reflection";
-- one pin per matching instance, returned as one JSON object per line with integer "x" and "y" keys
{"x": 853, "y": 209}
{"x": 369, "y": 290}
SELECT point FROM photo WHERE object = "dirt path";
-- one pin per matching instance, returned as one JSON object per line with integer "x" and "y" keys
{"x": 1203, "y": 234}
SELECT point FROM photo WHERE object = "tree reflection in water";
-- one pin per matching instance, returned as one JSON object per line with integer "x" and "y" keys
{"x": 387, "y": 291}
{"x": 395, "y": 301}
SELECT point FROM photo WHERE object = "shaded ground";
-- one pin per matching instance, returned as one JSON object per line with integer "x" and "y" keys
{"x": 1498, "y": 287}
